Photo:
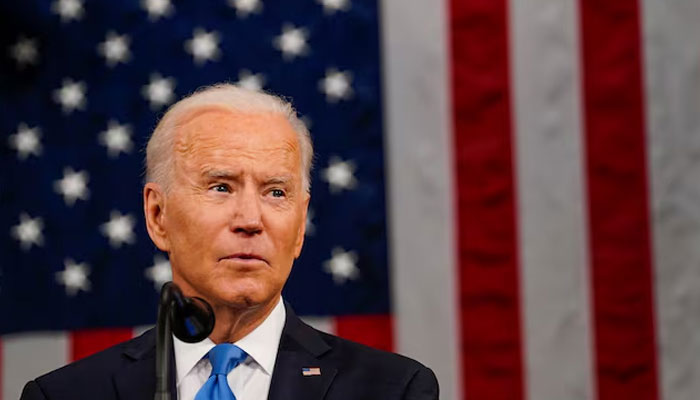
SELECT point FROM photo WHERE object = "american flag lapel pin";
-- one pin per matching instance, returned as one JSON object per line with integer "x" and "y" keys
{"x": 313, "y": 371}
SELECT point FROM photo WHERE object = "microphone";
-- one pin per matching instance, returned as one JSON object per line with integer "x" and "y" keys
{"x": 190, "y": 319}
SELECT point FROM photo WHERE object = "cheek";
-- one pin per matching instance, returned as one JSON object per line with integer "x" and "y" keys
{"x": 178, "y": 224}
{"x": 188, "y": 227}
{"x": 286, "y": 232}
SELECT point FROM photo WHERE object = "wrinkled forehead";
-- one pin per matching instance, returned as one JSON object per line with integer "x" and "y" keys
{"x": 218, "y": 131}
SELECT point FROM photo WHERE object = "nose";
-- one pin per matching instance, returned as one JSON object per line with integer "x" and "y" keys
{"x": 247, "y": 214}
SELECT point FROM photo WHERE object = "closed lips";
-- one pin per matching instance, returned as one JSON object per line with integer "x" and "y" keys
{"x": 245, "y": 256}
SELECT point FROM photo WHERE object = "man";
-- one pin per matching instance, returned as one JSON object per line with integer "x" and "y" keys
{"x": 226, "y": 197}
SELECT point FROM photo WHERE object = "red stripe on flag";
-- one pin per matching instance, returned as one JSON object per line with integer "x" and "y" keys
{"x": 371, "y": 330}
{"x": 625, "y": 340}
{"x": 89, "y": 341}
{"x": 485, "y": 188}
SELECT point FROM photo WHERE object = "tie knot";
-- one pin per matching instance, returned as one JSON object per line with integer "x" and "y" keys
{"x": 224, "y": 357}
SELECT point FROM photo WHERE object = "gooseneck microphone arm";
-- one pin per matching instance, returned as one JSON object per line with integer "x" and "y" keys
{"x": 190, "y": 319}
{"x": 164, "y": 342}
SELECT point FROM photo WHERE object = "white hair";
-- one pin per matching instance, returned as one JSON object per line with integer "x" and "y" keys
{"x": 160, "y": 147}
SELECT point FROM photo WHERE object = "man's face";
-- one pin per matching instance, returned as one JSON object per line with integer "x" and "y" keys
{"x": 235, "y": 215}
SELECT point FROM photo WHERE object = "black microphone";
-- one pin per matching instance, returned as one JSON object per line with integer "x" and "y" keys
{"x": 190, "y": 319}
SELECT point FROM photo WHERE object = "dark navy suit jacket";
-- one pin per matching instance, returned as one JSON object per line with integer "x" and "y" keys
{"x": 349, "y": 371}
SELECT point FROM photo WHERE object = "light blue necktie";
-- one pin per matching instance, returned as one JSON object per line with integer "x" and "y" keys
{"x": 223, "y": 358}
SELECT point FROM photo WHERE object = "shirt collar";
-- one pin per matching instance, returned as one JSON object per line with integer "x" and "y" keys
{"x": 261, "y": 344}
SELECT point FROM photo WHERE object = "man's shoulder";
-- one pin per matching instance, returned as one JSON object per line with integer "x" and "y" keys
{"x": 350, "y": 353}
{"x": 366, "y": 371}
{"x": 107, "y": 360}
{"x": 346, "y": 369}
{"x": 93, "y": 372}
{"x": 360, "y": 371}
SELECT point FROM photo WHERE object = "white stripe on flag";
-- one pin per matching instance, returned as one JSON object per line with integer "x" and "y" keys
{"x": 672, "y": 68}
{"x": 139, "y": 330}
{"x": 419, "y": 163}
{"x": 26, "y": 356}
{"x": 552, "y": 218}
{"x": 323, "y": 324}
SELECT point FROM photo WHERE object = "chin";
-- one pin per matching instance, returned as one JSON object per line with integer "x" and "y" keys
{"x": 242, "y": 294}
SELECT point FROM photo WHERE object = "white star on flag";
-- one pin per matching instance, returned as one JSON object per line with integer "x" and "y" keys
{"x": 71, "y": 96}
{"x": 159, "y": 91}
{"x": 26, "y": 141}
{"x": 292, "y": 42}
{"x": 336, "y": 85}
{"x": 331, "y": 6}
{"x": 160, "y": 272}
{"x": 339, "y": 174}
{"x": 117, "y": 138}
{"x": 74, "y": 277}
{"x": 250, "y": 81}
{"x": 115, "y": 49}
{"x": 73, "y": 186}
{"x": 204, "y": 46}
{"x": 68, "y": 9}
{"x": 28, "y": 231}
{"x": 310, "y": 227}
{"x": 246, "y": 7}
{"x": 119, "y": 229}
{"x": 342, "y": 265}
{"x": 25, "y": 52}
{"x": 157, "y": 8}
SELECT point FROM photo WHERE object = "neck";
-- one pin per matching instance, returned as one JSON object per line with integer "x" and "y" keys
{"x": 234, "y": 324}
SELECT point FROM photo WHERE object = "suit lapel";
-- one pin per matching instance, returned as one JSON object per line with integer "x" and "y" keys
{"x": 300, "y": 347}
{"x": 137, "y": 380}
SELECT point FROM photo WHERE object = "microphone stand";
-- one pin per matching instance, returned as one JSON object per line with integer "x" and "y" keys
{"x": 164, "y": 342}
{"x": 191, "y": 319}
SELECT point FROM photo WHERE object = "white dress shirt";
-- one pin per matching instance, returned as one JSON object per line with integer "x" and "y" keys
{"x": 250, "y": 380}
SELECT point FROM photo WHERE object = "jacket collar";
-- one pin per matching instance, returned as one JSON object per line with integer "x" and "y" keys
{"x": 137, "y": 380}
{"x": 301, "y": 347}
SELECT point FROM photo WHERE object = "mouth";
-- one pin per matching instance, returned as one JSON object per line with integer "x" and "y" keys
{"x": 246, "y": 258}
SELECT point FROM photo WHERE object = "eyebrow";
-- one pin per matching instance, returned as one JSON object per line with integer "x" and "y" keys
{"x": 278, "y": 180}
{"x": 228, "y": 175}
{"x": 221, "y": 174}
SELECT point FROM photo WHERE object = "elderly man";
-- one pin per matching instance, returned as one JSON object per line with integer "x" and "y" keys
{"x": 226, "y": 197}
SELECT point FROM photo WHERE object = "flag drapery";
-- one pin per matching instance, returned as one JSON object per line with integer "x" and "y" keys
{"x": 508, "y": 190}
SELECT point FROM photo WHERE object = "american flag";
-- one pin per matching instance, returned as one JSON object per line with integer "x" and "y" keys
{"x": 313, "y": 371}
{"x": 506, "y": 190}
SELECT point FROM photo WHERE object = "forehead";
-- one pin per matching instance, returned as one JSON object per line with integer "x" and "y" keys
{"x": 221, "y": 133}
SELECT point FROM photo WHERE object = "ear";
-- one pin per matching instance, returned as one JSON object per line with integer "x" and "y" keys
{"x": 154, "y": 211}
{"x": 302, "y": 227}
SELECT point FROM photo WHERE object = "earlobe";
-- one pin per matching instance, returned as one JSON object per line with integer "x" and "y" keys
{"x": 154, "y": 212}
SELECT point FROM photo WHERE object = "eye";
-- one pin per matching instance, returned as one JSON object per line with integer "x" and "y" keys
{"x": 277, "y": 193}
{"x": 221, "y": 188}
